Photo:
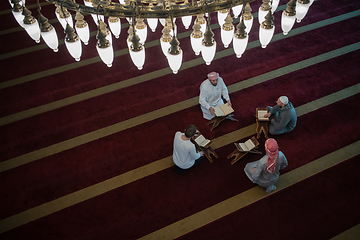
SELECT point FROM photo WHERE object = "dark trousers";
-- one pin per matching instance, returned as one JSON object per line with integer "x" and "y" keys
{"x": 181, "y": 171}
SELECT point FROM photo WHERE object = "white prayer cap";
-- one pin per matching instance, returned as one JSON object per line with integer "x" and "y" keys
{"x": 284, "y": 100}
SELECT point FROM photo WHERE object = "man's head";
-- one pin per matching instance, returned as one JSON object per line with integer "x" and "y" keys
{"x": 282, "y": 101}
{"x": 190, "y": 131}
{"x": 213, "y": 78}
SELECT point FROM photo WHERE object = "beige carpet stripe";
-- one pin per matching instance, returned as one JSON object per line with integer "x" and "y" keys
{"x": 350, "y": 234}
{"x": 144, "y": 171}
{"x": 185, "y": 65}
{"x": 189, "y": 223}
{"x": 85, "y": 138}
{"x": 126, "y": 83}
{"x": 250, "y": 196}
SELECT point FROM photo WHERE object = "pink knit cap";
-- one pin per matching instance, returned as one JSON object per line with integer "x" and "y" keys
{"x": 213, "y": 75}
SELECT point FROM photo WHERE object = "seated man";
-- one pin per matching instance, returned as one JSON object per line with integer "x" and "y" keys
{"x": 184, "y": 154}
{"x": 282, "y": 116}
{"x": 210, "y": 94}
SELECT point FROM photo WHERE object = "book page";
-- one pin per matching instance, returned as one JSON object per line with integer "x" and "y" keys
{"x": 201, "y": 141}
{"x": 261, "y": 114}
{"x": 219, "y": 112}
{"x": 249, "y": 144}
{"x": 226, "y": 109}
{"x": 243, "y": 146}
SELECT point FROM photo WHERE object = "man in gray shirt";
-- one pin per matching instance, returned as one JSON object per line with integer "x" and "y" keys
{"x": 282, "y": 116}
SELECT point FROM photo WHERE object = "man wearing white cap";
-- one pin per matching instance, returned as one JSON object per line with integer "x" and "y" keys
{"x": 282, "y": 116}
{"x": 211, "y": 91}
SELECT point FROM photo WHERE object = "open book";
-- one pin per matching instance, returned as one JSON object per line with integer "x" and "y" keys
{"x": 260, "y": 115}
{"x": 247, "y": 146}
{"x": 202, "y": 141}
{"x": 223, "y": 110}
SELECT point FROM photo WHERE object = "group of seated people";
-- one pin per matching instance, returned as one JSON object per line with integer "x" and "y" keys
{"x": 264, "y": 172}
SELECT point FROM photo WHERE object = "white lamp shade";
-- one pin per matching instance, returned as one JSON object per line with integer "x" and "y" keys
{"x": 51, "y": 39}
{"x": 248, "y": 24}
{"x": 301, "y": 10}
{"x": 208, "y": 53}
{"x": 175, "y": 61}
{"x": 19, "y": 18}
{"x": 261, "y": 15}
{"x": 237, "y": 10}
{"x": 63, "y": 21}
{"x": 152, "y": 22}
{"x": 172, "y": 32}
{"x": 196, "y": 44}
{"x": 122, "y": 1}
{"x": 115, "y": 28}
{"x": 109, "y": 37}
{"x": 186, "y": 20}
{"x": 106, "y": 54}
{"x": 21, "y": 3}
{"x": 74, "y": 49}
{"x": 275, "y": 4}
{"x": 265, "y": 36}
{"x": 165, "y": 47}
{"x": 142, "y": 33}
{"x": 33, "y": 30}
{"x": 287, "y": 22}
{"x": 226, "y": 37}
{"x": 83, "y": 33}
{"x": 138, "y": 58}
{"x": 221, "y": 18}
{"x": 240, "y": 45}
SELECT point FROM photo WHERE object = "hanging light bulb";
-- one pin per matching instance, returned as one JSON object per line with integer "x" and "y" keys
{"x": 48, "y": 33}
{"x": 288, "y": 17}
{"x": 241, "y": 39}
{"x": 196, "y": 38}
{"x": 82, "y": 28}
{"x": 274, "y": 5}
{"x": 63, "y": 16}
{"x": 72, "y": 42}
{"x": 137, "y": 51}
{"x": 208, "y": 46}
{"x": 221, "y": 15}
{"x": 17, "y": 10}
{"x": 201, "y": 20}
{"x": 31, "y": 25}
{"x": 152, "y": 22}
{"x": 175, "y": 55}
{"x": 302, "y": 7}
{"x": 141, "y": 29}
{"x": 104, "y": 47}
{"x": 266, "y": 30}
{"x": 237, "y": 10}
{"x": 165, "y": 40}
{"x": 115, "y": 26}
{"x": 227, "y": 31}
{"x": 186, "y": 20}
{"x": 248, "y": 18}
{"x": 263, "y": 10}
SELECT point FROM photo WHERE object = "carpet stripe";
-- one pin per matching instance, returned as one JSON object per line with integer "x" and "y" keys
{"x": 350, "y": 234}
{"x": 166, "y": 71}
{"x": 136, "y": 174}
{"x": 77, "y": 141}
{"x": 244, "y": 199}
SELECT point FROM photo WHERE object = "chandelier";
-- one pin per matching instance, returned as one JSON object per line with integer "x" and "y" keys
{"x": 142, "y": 14}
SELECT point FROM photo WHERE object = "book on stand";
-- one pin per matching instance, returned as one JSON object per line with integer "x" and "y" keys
{"x": 260, "y": 115}
{"x": 246, "y": 146}
{"x": 223, "y": 110}
{"x": 202, "y": 141}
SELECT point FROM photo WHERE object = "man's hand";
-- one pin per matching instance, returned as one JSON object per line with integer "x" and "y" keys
{"x": 201, "y": 153}
{"x": 267, "y": 115}
{"x": 228, "y": 103}
{"x": 212, "y": 110}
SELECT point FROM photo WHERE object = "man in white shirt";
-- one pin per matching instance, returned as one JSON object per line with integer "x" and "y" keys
{"x": 185, "y": 155}
{"x": 211, "y": 91}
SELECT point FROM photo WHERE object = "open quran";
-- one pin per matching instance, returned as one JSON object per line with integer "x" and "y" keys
{"x": 246, "y": 146}
{"x": 202, "y": 141}
{"x": 260, "y": 113}
{"x": 223, "y": 110}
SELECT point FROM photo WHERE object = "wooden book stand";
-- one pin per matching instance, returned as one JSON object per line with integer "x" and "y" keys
{"x": 238, "y": 153}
